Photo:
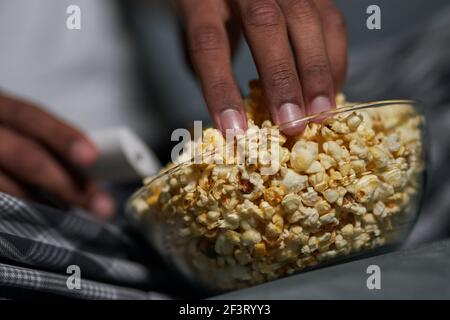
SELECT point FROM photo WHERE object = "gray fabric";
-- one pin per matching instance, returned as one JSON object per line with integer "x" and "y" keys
{"x": 38, "y": 244}
{"x": 416, "y": 66}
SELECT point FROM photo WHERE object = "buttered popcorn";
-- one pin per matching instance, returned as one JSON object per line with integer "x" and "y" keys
{"x": 344, "y": 185}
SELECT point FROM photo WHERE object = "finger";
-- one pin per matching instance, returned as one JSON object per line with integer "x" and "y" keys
{"x": 9, "y": 186}
{"x": 266, "y": 33}
{"x": 334, "y": 28}
{"x": 27, "y": 161}
{"x": 100, "y": 203}
{"x": 66, "y": 141}
{"x": 210, "y": 54}
{"x": 305, "y": 29}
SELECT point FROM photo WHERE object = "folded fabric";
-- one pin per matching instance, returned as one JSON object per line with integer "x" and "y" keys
{"x": 38, "y": 244}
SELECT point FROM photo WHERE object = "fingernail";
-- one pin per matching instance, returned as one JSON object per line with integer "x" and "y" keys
{"x": 320, "y": 104}
{"x": 83, "y": 154}
{"x": 102, "y": 205}
{"x": 233, "y": 120}
{"x": 288, "y": 113}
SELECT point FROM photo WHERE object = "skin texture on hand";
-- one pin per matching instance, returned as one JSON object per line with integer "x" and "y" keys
{"x": 296, "y": 82}
{"x": 39, "y": 151}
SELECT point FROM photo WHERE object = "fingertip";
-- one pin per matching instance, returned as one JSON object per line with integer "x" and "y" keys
{"x": 321, "y": 104}
{"x": 102, "y": 205}
{"x": 83, "y": 153}
{"x": 290, "y": 119}
{"x": 231, "y": 120}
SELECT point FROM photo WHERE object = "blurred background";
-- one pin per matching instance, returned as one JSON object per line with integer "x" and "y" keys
{"x": 127, "y": 67}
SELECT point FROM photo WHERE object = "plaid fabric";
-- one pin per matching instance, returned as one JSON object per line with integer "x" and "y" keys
{"x": 42, "y": 242}
{"x": 56, "y": 284}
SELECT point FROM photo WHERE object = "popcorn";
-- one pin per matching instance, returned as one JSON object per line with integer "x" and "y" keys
{"x": 342, "y": 186}
{"x": 334, "y": 150}
{"x": 380, "y": 156}
{"x": 291, "y": 203}
{"x": 273, "y": 195}
{"x": 251, "y": 237}
{"x": 259, "y": 250}
{"x": 329, "y": 218}
{"x": 315, "y": 167}
{"x": 331, "y": 195}
{"x": 273, "y": 231}
{"x": 293, "y": 181}
{"x": 310, "y": 197}
{"x": 395, "y": 178}
{"x": 359, "y": 149}
{"x": 347, "y": 231}
{"x": 322, "y": 207}
{"x": 213, "y": 215}
{"x": 365, "y": 188}
{"x": 353, "y": 121}
{"x": 326, "y": 161}
{"x": 303, "y": 153}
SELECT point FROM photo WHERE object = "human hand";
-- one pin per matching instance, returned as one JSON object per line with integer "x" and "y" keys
{"x": 296, "y": 83}
{"x": 40, "y": 151}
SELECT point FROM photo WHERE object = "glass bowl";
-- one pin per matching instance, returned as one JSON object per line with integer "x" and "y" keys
{"x": 351, "y": 187}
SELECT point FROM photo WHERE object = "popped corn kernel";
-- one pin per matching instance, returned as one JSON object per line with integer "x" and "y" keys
{"x": 293, "y": 181}
{"x": 213, "y": 215}
{"x": 353, "y": 121}
{"x": 315, "y": 167}
{"x": 260, "y": 250}
{"x": 331, "y": 195}
{"x": 322, "y": 207}
{"x": 326, "y": 161}
{"x": 291, "y": 203}
{"x": 359, "y": 149}
{"x": 337, "y": 126}
{"x": 267, "y": 209}
{"x": 303, "y": 153}
{"x": 395, "y": 178}
{"x": 365, "y": 188}
{"x": 251, "y": 237}
{"x": 273, "y": 195}
{"x": 233, "y": 236}
{"x": 347, "y": 230}
{"x": 310, "y": 197}
{"x": 273, "y": 231}
{"x": 329, "y": 218}
{"x": 380, "y": 156}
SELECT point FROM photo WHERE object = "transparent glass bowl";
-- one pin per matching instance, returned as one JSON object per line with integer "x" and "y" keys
{"x": 225, "y": 247}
